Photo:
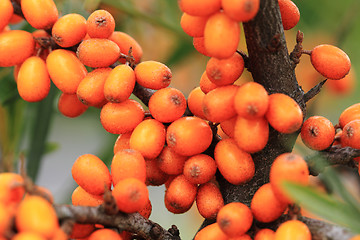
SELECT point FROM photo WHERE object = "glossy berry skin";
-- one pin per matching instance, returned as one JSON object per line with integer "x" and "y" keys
{"x": 330, "y": 61}
{"x": 317, "y": 133}
{"x": 293, "y": 230}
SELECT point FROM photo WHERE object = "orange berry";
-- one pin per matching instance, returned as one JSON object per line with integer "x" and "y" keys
{"x": 199, "y": 169}
{"x": 225, "y": 71}
{"x": 330, "y": 61}
{"x": 199, "y": 45}
{"x": 221, "y": 36}
{"x": 251, "y": 100}
{"x": 6, "y": 12}
{"x": 211, "y": 232}
{"x": 104, "y": 234}
{"x": 349, "y": 114}
{"x": 122, "y": 142}
{"x": 28, "y": 236}
{"x": 293, "y": 230}
{"x": 153, "y": 75}
{"x": 100, "y": 24}
{"x": 118, "y": 118}
{"x": 209, "y": 200}
{"x": 205, "y": 84}
{"x": 350, "y": 135}
{"x": 15, "y": 47}
{"x": 290, "y": 14}
{"x": 265, "y": 234}
{"x": 33, "y": 81}
{"x": 218, "y": 104}
{"x": 41, "y": 14}
{"x": 119, "y": 84}
{"x": 193, "y": 25}
{"x": 80, "y": 231}
{"x": 90, "y": 173}
{"x": 167, "y": 104}
{"x": 128, "y": 163}
{"x": 265, "y": 206}
{"x": 131, "y": 195}
{"x": 287, "y": 167}
{"x": 35, "y": 214}
{"x": 317, "y": 133}
{"x": 233, "y": 163}
{"x": 189, "y": 136}
{"x": 194, "y": 102}
{"x": 91, "y": 89}
{"x": 180, "y": 195}
{"x": 125, "y": 42}
{"x": 69, "y": 30}
{"x": 154, "y": 175}
{"x": 171, "y": 162}
{"x": 241, "y": 10}
{"x": 65, "y": 69}
{"x": 228, "y": 126}
{"x": 11, "y": 188}
{"x": 148, "y": 138}
{"x": 70, "y": 106}
{"x": 98, "y": 52}
{"x": 200, "y": 7}
{"x": 242, "y": 237}
{"x": 234, "y": 219}
{"x": 284, "y": 114}
{"x": 251, "y": 135}
{"x": 80, "y": 197}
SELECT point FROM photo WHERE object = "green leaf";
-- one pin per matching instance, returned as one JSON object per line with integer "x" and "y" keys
{"x": 325, "y": 206}
{"x": 8, "y": 90}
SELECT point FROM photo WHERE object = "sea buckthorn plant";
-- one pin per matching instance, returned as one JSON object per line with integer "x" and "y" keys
{"x": 226, "y": 148}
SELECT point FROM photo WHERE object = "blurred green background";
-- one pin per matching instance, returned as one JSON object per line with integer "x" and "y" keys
{"x": 51, "y": 142}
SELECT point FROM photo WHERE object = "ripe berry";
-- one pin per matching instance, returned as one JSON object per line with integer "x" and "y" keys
{"x": 211, "y": 232}
{"x": 100, "y": 24}
{"x": 209, "y": 200}
{"x": 69, "y": 30}
{"x": 221, "y": 36}
{"x": 241, "y": 10}
{"x": 234, "y": 219}
{"x": 41, "y": 14}
{"x": 234, "y": 164}
{"x": 118, "y": 118}
{"x": 131, "y": 195}
{"x": 350, "y": 135}
{"x": 91, "y": 174}
{"x": 128, "y": 163}
{"x": 104, "y": 234}
{"x": 317, "y": 133}
{"x": 265, "y": 234}
{"x": 193, "y": 25}
{"x": 6, "y": 11}
{"x": 287, "y": 167}
{"x": 330, "y": 61}
{"x": 80, "y": 197}
{"x": 205, "y": 84}
{"x": 293, "y": 230}
{"x": 122, "y": 142}
{"x": 15, "y": 47}
{"x": 171, "y": 162}
{"x": 265, "y": 206}
{"x": 189, "y": 136}
{"x": 125, "y": 42}
{"x": 200, "y": 7}
{"x": 33, "y": 82}
{"x": 199, "y": 169}
{"x": 290, "y": 14}
{"x": 284, "y": 114}
{"x": 225, "y": 71}
{"x": 70, "y": 106}
{"x": 349, "y": 114}
{"x": 98, "y": 52}
{"x": 194, "y": 102}
{"x": 65, "y": 69}
{"x": 154, "y": 175}
{"x": 148, "y": 138}
{"x": 153, "y": 75}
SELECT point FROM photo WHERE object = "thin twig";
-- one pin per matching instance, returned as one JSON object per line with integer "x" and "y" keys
{"x": 314, "y": 91}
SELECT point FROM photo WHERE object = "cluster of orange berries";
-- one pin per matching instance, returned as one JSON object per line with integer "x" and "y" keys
{"x": 31, "y": 216}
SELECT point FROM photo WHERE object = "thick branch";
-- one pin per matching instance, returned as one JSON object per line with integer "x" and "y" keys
{"x": 134, "y": 222}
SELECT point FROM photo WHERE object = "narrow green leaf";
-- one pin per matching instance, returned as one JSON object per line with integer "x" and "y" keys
{"x": 325, "y": 206}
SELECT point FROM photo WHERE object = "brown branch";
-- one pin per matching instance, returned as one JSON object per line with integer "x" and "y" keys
{"x": 133, "y": 222}
{"x": 334, "y": 156}
{"x": 297, "y": 52}
{"x": 314, "y": 91}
